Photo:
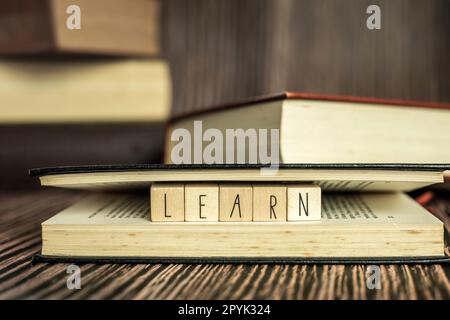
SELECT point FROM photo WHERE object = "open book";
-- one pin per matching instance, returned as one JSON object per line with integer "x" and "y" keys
{"x": 352, "y": 226}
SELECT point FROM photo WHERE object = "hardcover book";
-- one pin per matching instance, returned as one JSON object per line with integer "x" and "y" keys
{"x": 330, "y": 129}
{"x": 369, "y": 220}
{"x": 330, "y": 177}
{"x": 369, "y": 225}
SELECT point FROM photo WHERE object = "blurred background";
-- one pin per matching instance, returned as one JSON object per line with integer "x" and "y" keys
{"x": 222, "y": 50}
{"x": 215, "y": 51}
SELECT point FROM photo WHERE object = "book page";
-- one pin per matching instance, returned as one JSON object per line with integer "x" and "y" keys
{"x": 106, "y": 209}
{"x": 337, "y": 209}
{"x": 374, "y": 208}
{"x": 364, "y": 185}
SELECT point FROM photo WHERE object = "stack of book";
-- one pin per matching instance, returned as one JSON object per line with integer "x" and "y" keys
{"x": 337, "y": 195}
{"x": 77, "y": 77}
{"x": 83, "y": 82}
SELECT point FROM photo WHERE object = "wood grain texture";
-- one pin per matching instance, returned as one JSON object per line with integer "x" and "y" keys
{"x": 221, "y": 51}
{"x": 303, "y": 202}
{"x": 21, "y": 213}
{"x": 269, "y": 202}
{"x": 201, "y": 202}
{"x": 167, "y": 202}
{"x": 235, "y": 202}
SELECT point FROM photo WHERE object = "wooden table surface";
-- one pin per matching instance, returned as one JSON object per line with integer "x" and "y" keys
{"x": 21, "y": 213}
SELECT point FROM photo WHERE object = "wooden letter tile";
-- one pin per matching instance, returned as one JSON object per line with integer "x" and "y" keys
{"x": 202, "y": 202}
{"x": 269, "y": 202}
{"x": 236, "y": 202}
{"x": 304, "y": 202}
{"x": 167, "y": 202}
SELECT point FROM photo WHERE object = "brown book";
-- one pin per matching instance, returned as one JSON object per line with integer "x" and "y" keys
{"x": 317, "y": 128}
{"x": 105, "y": 26}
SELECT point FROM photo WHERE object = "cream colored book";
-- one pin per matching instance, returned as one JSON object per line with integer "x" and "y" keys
{"x": 74, "y": 90}
{"x": 326, "y": 129}
{"x": 352, "y": 225}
